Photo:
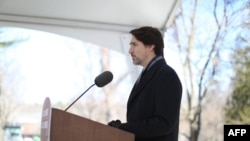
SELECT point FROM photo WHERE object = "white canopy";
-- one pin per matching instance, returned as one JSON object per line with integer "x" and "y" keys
{"x": 102, "y": 22}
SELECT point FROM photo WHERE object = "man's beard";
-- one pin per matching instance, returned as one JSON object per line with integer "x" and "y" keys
{"x": 136, "y": 61}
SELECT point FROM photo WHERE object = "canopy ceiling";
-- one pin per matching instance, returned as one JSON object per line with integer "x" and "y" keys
{"x": 102, "y": 22}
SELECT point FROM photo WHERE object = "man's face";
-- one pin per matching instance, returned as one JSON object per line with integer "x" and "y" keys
{"x": 138, "y": 52}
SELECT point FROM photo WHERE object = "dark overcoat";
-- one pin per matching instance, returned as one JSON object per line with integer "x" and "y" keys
{"x": 153, "y": 107}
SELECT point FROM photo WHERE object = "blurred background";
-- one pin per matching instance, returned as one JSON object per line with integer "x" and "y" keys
{"x": 206, "y": 42}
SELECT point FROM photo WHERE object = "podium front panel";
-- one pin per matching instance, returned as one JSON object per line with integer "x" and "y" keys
{"x": 69, "y": 127}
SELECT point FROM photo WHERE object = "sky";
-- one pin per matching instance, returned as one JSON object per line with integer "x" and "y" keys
{"x": 50, "y": 65}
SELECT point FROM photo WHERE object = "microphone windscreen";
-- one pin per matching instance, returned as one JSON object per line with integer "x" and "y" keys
{"x": 103, "y": 79}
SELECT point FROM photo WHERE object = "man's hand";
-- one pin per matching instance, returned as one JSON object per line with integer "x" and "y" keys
{"x": 115, "y": 123}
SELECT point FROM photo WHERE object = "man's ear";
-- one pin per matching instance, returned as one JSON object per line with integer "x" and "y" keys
{"x": 151, "y": 47}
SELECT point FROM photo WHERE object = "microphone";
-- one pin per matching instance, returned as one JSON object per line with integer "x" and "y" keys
{"x": 103, "y": 79}
{"x": 100, "y": 81}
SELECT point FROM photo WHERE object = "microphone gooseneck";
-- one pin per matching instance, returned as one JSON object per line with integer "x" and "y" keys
{"x": 78, "y": 97}
{"x": 100, "y": 81}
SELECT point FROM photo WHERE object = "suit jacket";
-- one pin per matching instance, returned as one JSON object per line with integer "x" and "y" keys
{"x": 154, "y": 105}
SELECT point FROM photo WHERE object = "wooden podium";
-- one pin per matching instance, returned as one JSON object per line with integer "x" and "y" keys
{"x": 58, "y": 125}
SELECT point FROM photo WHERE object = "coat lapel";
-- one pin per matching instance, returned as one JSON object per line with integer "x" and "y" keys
{"x": 145, "y": 79}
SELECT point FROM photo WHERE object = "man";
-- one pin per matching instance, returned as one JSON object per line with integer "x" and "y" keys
{"x": 154, "y": 103}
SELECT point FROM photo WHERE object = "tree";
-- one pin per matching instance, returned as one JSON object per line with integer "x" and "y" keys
{"x": 5, "y": 42}
{"x": 6, "y": 96}
{"x": 200, "y": 32}
{"x": 238, "y": 105}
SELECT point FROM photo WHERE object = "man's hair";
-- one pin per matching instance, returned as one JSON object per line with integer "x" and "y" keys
{"x": 150, "y": 36}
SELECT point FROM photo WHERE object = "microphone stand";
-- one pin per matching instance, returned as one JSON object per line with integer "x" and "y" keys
{"x": 78, "y": 97}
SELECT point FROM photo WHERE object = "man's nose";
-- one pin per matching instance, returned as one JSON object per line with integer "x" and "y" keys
{"x": 130, "y": 50}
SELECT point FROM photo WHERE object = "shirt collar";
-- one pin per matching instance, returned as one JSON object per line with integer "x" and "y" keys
{"x": 152, "y": 62}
